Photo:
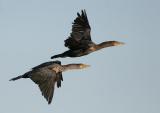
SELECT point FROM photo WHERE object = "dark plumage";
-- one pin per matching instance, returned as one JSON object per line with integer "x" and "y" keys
{"x": 47, "y": 74}
{"x": 79, "y": 42}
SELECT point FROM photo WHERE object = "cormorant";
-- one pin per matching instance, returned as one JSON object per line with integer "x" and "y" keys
{"x": 79, "y": 42}
{"x": 47, "y": 74}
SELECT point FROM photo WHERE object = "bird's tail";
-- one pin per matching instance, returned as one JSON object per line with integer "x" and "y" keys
{"x": 26, "y": 75}
{"x": 59, "y": 55}
{"x": 56, "y": 56}
{"x": 16, "y": 78}
{"x": 63, "y": 55}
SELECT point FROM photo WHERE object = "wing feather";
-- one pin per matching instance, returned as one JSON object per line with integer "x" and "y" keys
{"x": 46, "y": 80}
{"x": 46, "y": 64}
{"x": 80, "y": 33}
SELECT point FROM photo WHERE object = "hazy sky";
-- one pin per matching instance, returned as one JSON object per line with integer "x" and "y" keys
{"x": 121, "y": 79}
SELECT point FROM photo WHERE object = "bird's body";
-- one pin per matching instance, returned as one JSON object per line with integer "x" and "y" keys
{"x": 47, "y": 74}
{"x": 79, "y": 42}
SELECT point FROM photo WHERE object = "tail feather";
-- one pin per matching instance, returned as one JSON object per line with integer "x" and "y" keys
{"x": 59, "y": 55}
{"x": 56, "y": 56}
{"x": 26, "y": 75}
{"x": 16, "y": 78}
{"x": 68, "y": 53}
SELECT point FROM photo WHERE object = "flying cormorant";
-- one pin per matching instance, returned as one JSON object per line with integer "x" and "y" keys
{"x": 47, "y": 74}
{"x": 79, "y": 42}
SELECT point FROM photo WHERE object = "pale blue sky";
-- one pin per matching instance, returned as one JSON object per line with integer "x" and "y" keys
{"x": 120, "y": 80}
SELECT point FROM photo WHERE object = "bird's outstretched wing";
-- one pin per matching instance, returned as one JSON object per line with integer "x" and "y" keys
{"x": 45, "y": 79}
{"x": 80, "y": 35}
{"x": 46, "y": 64}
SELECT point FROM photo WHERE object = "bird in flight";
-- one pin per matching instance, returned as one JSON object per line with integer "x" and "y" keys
{"x": 79, "y": 42}
{"x": 47, "y": 74}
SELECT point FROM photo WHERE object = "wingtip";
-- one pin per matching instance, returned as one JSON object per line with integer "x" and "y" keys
{"x": 78, "y": 14}
{"x": 84, "y": 11}
{"x": 49, "y": 101}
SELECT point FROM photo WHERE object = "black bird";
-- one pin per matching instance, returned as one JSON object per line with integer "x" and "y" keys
{"x": 47, "y": 74}
{"x": 79, "y": 42}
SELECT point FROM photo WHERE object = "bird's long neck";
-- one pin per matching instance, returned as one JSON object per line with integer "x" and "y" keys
{"x": 71, "y": 67}
{"x": 106, "y": 44}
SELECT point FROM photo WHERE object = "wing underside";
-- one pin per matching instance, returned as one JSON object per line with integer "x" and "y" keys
{"x": 46, "y": 80}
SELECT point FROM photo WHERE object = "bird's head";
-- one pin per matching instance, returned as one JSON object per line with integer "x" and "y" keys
{"x": 116, "y": 43}
{"x": 75, "y": 66}
{"x": 82, "y": 66}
